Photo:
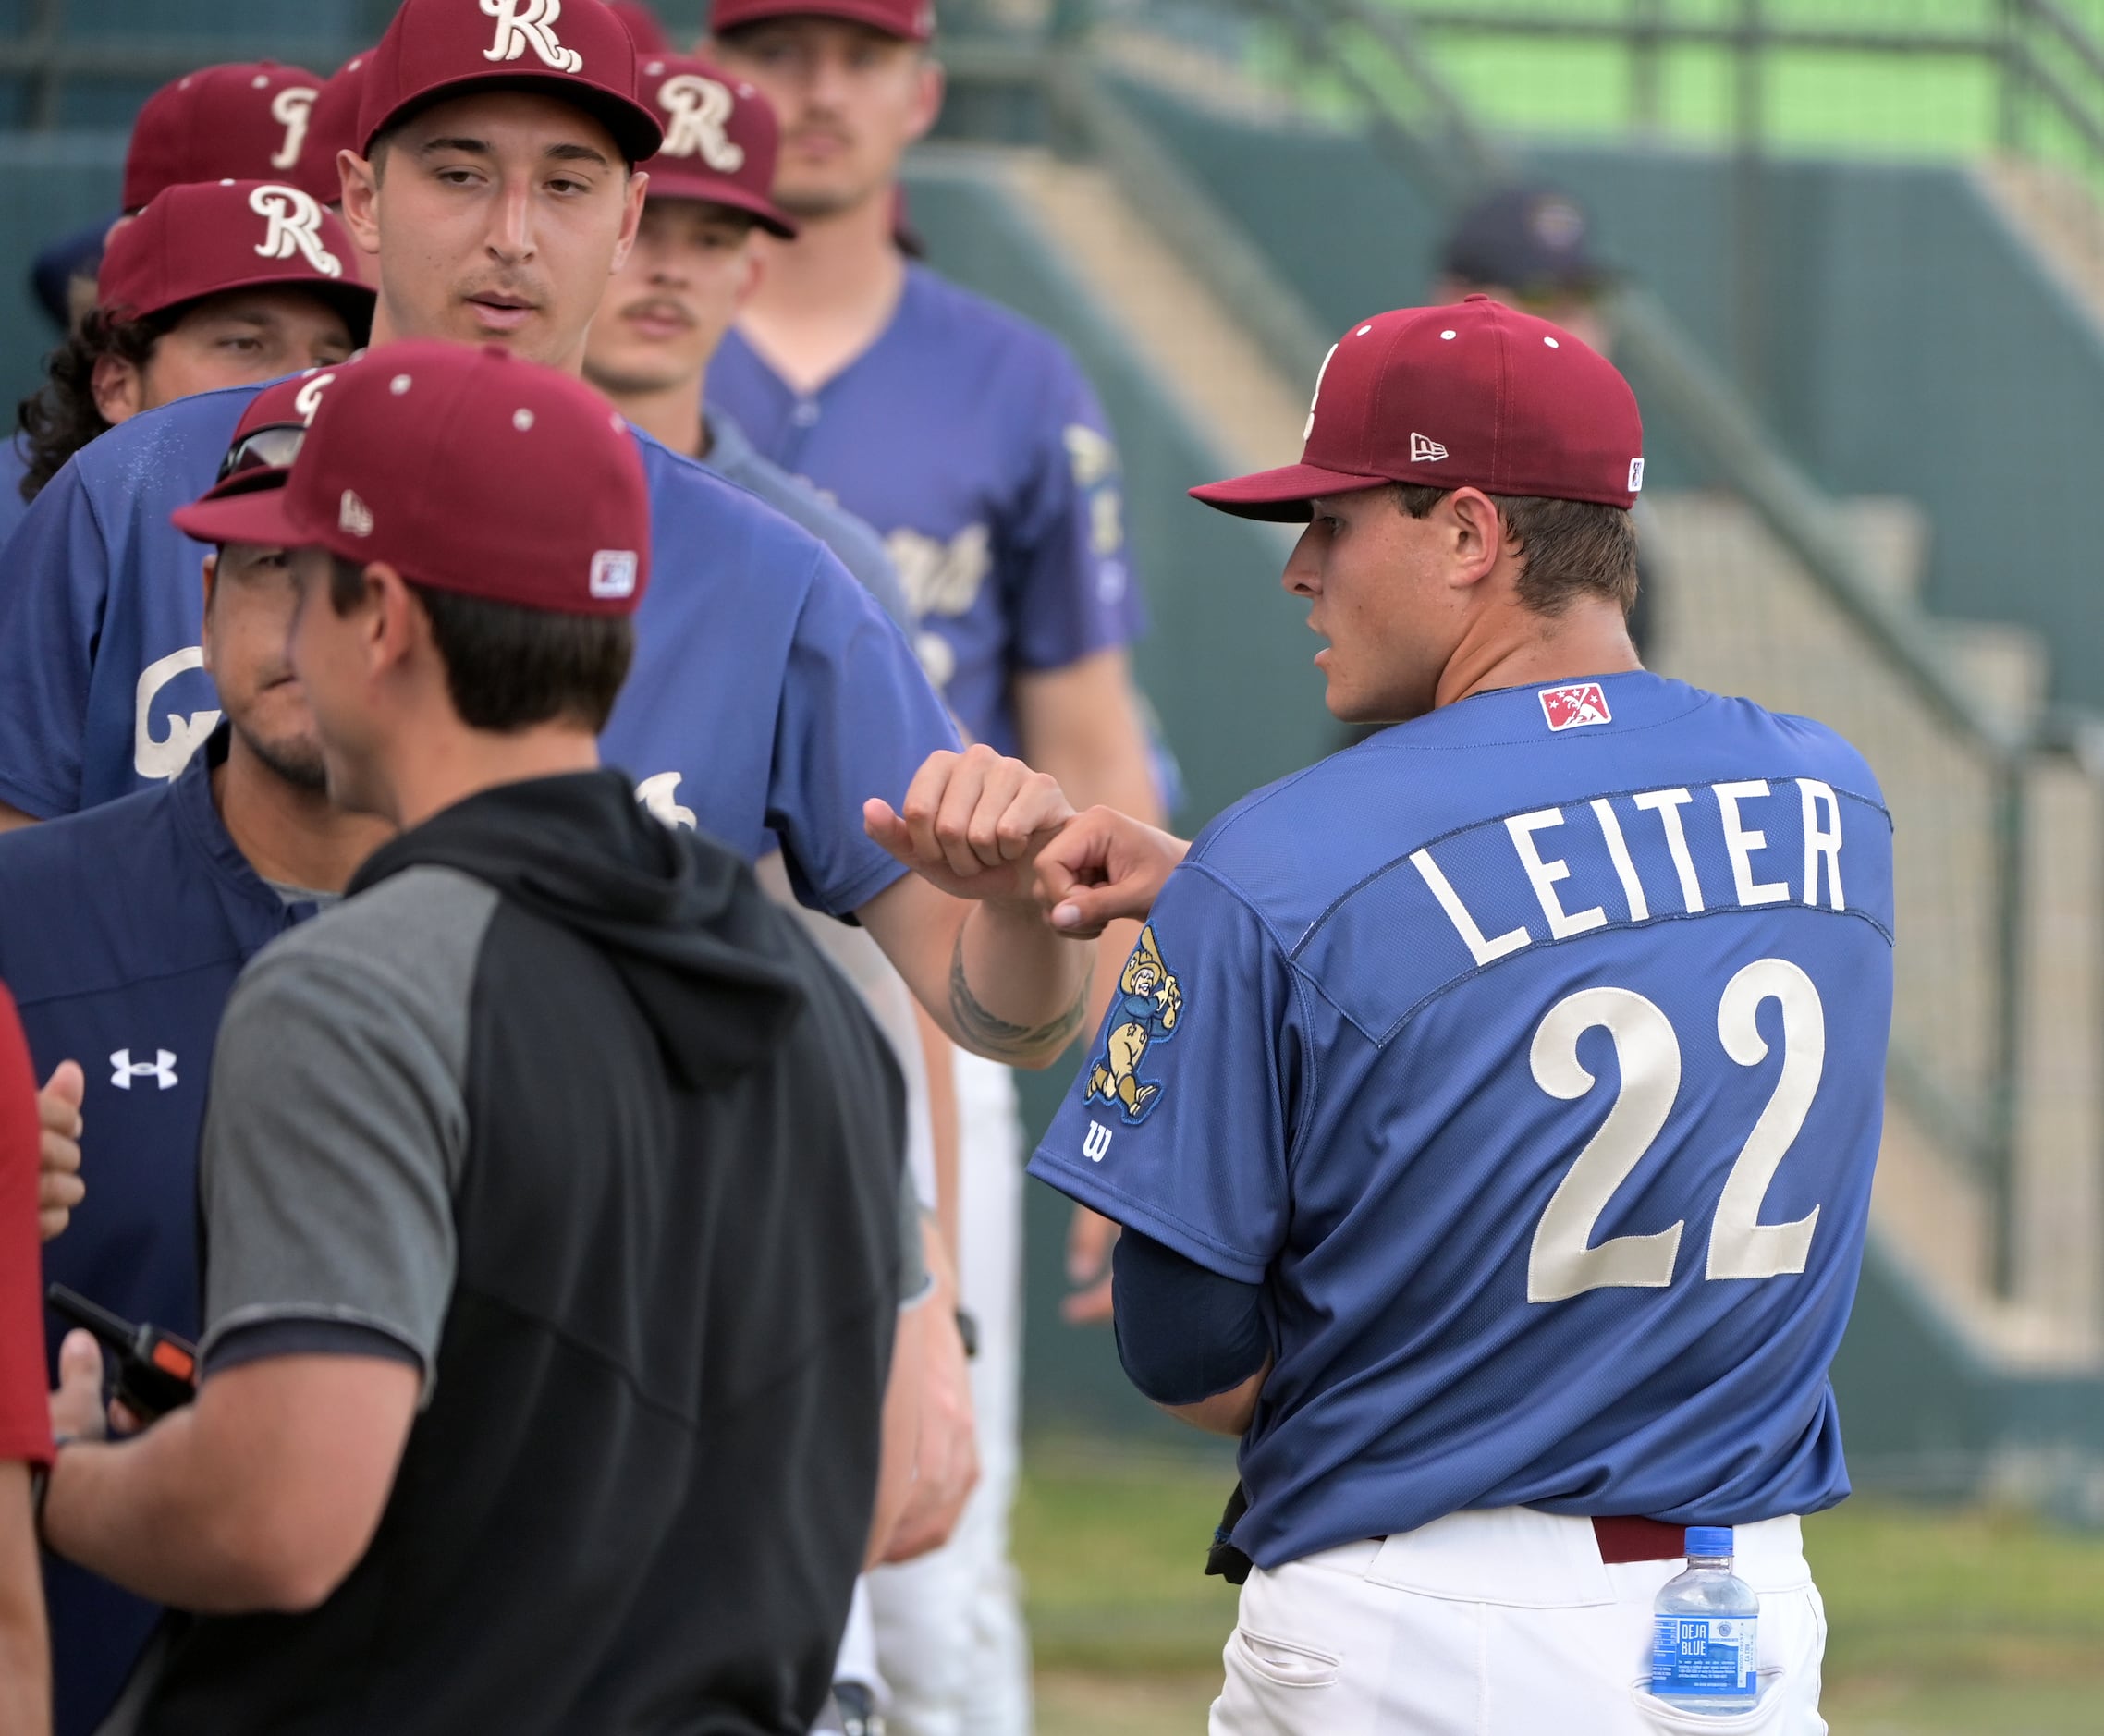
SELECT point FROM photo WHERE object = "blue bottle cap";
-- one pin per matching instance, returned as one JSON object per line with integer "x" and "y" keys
{"x": 1709, "y": 1540}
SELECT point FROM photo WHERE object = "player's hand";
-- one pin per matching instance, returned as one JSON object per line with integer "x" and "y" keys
{"x": 973, "y": 824}
{"x": 1090, "y": 1238}
{"x": 945, "y": 1457}
{"x": 1103, "y": 865}
{"x": 76, "y": 1405}
{"x": 59, "y": 1187}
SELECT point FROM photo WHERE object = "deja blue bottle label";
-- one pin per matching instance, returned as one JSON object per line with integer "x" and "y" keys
{"x": 1698, "y": 1654}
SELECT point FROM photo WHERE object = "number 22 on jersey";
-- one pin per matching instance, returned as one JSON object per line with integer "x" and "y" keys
{"x": 1562, "y": 1262}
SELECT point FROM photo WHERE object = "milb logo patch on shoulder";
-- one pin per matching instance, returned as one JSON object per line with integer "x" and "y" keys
{"x": 1573, "y": 707}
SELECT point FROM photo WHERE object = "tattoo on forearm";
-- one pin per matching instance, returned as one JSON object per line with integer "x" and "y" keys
{"x": 996, "y": 1037}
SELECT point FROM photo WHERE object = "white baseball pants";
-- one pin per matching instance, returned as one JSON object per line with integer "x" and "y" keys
{"x": 1500, "y": 1623}
{"x": 950, "y": 1627}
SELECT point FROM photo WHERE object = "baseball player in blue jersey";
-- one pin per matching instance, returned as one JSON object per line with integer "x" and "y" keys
{"x": 1492, "y": 1106}
{"x": 770, "y": 697}
{"x": 970, "y": 438}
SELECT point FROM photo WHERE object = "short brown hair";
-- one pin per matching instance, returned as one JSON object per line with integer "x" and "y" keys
{"x": 1573, "y": 548}
{"x": 507, "y": 668}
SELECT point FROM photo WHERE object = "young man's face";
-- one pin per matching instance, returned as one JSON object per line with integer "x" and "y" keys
{"x": 1372, "y": 575}
{"x": 497, "y": 218}
{"x": 669, "y": 306}
{"x": 327, "y": 654}
{"x": 247, "y": 621}
{"x": 849, "y": 99}
{"x": 241, "y": 338}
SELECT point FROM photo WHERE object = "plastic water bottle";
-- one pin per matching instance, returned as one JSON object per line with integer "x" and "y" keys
{"x": 1704, "y": 1658}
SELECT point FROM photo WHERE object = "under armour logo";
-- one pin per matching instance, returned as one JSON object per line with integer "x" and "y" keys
{"x": 292, "y": 108}
{"x": 354, "y": 518}
{"x": 523, "y": 24}
{"x": 700, "y": 109}
{"x": 295, "y": 228}
{"x": 161, "y": 1069}
{"x": 309, "y": 398}
{"x": 1424, "y": 451}
{"x": 1095, "y": 1142}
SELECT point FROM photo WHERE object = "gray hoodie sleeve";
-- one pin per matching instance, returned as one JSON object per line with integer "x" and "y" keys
{"x": 337, "y": 1125}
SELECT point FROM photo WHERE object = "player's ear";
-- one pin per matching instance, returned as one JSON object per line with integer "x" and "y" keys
{"x": 362, "y": 198}
{"x": 1475, "y": 535}
{"x": 631, "y": 218}
{"x": 930, "y": 82}
{"x": 755, "y": 276}
{"x": 119, "y": 388}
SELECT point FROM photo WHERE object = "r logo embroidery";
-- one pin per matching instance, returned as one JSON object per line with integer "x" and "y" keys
{"x": 295, "y": 228}
{"x": 523, "y": 24}
{"x": 292, "y": 108}
{"x": 700, "y": 119}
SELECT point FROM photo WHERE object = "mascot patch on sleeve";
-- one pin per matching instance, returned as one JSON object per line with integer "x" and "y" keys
{"x": 1148, "y": 1006}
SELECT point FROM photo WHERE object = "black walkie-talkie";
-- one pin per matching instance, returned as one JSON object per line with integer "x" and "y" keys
{"x": 156, "y": 1372}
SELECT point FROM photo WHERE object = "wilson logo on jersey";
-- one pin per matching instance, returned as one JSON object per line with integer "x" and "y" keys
{"x": 1149, "y": 1004}
{"x": 1572, "y": 707}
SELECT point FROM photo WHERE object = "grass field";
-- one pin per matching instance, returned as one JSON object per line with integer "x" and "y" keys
{"x": 1827, "y": 100}
{"x": 1942, "y": 1621}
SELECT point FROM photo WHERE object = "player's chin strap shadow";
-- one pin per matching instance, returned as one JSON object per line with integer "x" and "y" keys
{"x": 1223, "y": 1559}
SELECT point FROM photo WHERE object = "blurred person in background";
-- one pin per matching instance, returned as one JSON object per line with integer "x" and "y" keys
{"x": 123, "y": 929}
{"x": 1002, "y": 506}
{"x": 243, "y": 121}
{"x": 215, "y": 284}
{"x": 693, "y": 265}
{"x": 643, "y": 26}
{"x": 25, "y": 1409}
{"x": 1530, "y": 247}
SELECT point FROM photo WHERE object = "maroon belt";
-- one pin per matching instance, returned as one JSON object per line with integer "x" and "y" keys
{"x": 1623, "y": 1540}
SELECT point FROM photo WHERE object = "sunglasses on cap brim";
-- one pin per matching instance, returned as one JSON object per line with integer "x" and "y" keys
{"x": 271, "y": 448}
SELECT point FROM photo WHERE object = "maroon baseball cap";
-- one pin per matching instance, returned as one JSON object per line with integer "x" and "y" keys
{"x": 436, "y": 49}
{"x": 721, "y": 138}
{"x": 643, "y": 26}
{"x": 335, "y": 127}
{"x": 1472, "y": 394}
{"x": 272, "y": 430}
{"x": 467, "y": 470}
{"x": 910, "y": 20}
{"x": 250, "y": 121}
{"x": 217, "y": 236}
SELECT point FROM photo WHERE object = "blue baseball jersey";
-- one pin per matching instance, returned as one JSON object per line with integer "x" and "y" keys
{"x": 769, "y": 698}
{"x": 122, "y": 930}
{"x": 969, "y": 438}
{"x": 14, "y": 466}
{"x": 1530, "y": 1057}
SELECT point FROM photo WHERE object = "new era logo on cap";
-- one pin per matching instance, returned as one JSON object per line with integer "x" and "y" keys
{"x": 1574, "y": 706}
{"x": 1424, "y": 451}
{"x": 614, "y": 573}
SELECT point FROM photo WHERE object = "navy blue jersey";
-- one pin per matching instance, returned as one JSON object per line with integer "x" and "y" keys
{"x": 969, "y": 438}
{"x": 121, "y": 933}
{"x": 769, "y": 695}
{"x": 1531, "y": 1057}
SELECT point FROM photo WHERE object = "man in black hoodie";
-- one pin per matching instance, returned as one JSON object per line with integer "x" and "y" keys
{"x": 550, "y": 1185}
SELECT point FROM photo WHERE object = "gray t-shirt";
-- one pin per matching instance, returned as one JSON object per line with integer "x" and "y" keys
{"x": 337, "y": 1126}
